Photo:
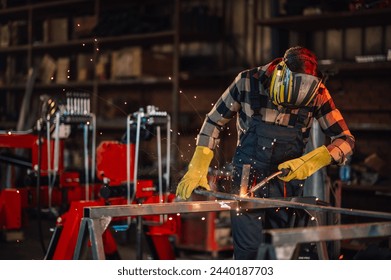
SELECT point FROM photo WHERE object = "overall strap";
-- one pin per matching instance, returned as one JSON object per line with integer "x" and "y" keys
{"x": 302, "y": 116}
{"x": 255, "y": 100}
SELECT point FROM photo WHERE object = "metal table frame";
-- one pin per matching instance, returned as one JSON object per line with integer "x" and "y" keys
{"x": 281, "y": 242}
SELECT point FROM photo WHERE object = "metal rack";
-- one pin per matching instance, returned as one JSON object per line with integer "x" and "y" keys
{"x": 280, "y": 243}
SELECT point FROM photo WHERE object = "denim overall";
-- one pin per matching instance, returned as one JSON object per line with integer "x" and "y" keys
{"x": 262, "y": 148}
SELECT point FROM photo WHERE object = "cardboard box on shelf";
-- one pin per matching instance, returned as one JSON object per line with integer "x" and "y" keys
{"x": 102, "y": 68}
{"x": 135, "y": 63}
{"x": 47, "y": 69}
{"x": 4, "y": 35}
{"x": 63, "y": 71}
{"x": 84, "y": 67}
{"x": 83, "y": 26}
{"x": 55, "y": 30}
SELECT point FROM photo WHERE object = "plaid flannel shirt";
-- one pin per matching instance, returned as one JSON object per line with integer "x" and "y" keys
{"x": 235, "y": 102}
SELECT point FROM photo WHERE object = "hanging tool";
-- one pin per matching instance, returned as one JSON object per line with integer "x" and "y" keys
{"x": 282, "y": 173}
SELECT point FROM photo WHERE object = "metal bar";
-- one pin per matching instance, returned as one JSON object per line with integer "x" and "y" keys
{"x": 80, "y": 239}
{"x": 282, "y": 237}
{"x": 284, "y": 241}
{"x": 86, "y": 163}
{"x": 96, "y": 228}
{"x": 161, "y": 208}
{"x": 245, "y": 179}
{"x": 299, "y": 205}
{"x": 235, "y": 202}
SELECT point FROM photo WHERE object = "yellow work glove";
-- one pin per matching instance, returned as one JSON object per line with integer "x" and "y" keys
{"x": 196, "y": 176}
{"x": 306, "y": 165}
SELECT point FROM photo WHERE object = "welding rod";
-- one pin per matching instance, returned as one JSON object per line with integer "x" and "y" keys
{"x": 282, "y": 173}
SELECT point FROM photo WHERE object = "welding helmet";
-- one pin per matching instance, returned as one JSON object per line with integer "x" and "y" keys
{"x": 292, "y": 89}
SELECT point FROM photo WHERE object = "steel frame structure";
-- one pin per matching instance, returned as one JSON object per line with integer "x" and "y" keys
{"x": 280, "y": 242}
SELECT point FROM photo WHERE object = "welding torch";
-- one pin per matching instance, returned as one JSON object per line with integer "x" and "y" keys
{"x": 283, "y": 172}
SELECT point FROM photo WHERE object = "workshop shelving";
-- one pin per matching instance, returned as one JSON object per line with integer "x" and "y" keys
{"x": 25, "y": 47}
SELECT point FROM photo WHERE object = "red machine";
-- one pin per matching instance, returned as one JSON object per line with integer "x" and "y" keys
{"x": 116, "y": 172}
{"x": 112, "y": 162}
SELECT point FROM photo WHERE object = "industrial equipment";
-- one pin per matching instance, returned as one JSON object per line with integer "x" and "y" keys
{"x": 109, "y": 175}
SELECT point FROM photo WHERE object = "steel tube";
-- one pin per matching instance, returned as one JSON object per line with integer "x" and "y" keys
{"x": 299, "y": 205}
{"x": 280, "y": 237}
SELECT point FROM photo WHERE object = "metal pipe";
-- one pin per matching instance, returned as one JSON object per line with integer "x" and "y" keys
{"x": 284, "y": 203}
{"x": 86, "y": 169}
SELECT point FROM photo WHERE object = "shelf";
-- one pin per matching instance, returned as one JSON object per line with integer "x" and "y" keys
{"x": 141, "y": 39}
{"x": 14, "y": 49}
{"x": 357, "y": 66}
{"x": 338, "y": 20}
{"x": 369, "y": 127}
{"x": 379, "y": 68}
{"x": 366, "y": 188}
{"x": 44, "y": 8}
{"x": 13, "y": 13}
{"x": 89, "y": 84}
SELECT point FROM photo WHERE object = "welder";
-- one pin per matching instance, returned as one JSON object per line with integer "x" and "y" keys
{"x": 275, "y": 106}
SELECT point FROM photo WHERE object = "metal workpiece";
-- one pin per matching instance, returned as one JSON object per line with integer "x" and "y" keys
{"x": 284, "y": 236}
{"x": 280, "y": 243}
{"x": 96, "y": 212}
{"x": 285, "y": 240}
{"x": 294, "y": 202}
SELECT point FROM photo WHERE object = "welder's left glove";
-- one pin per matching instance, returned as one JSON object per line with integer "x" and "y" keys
{"x": 196, "y": 176}
{"x": 306, "y": 165}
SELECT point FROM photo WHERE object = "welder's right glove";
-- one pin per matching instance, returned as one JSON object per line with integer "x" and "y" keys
{"x": 306, "y": 165}
{"x": 196, "y": 176}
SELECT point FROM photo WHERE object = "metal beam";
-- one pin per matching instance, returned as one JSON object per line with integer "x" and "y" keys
{"x": 283, "y": 242}
{"x": 280, "y": 237}
{"x": 96, "y": 212}
{"x": 295, "y": 202}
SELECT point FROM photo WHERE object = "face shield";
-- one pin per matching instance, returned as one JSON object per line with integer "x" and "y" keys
{"x": 291, "y": 89}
